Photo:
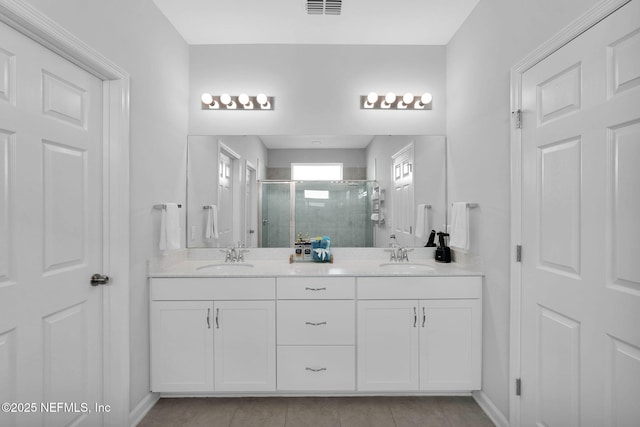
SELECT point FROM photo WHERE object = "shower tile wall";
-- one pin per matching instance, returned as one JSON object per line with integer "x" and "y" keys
{"x": 345, "y": 216}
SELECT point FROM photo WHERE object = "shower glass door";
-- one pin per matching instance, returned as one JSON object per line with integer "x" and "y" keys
{"x": 276, "y": 215}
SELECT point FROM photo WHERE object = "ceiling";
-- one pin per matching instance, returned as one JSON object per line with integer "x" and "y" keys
{"x": 373, "y": 22}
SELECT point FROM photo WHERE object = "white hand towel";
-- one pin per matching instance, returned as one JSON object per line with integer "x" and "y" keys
{"x": 459, "y": 226}
{"x": 170, "y": 227}
{"x": 211, "y": 229}
{"x": 421, "y": 214}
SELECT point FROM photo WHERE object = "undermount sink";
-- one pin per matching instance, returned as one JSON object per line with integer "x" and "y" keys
{"x": 406, "y": 266}
{"x": 221, "y": 266}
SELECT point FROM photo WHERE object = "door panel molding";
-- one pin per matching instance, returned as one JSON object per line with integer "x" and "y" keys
{"x": 32, "y": 23}
{"x": 594, "y": 15}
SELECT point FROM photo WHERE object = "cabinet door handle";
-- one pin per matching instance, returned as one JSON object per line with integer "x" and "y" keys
{"x": 315, "y": 324}
{"x": 415, "y": 317}
{"x": 208, "y": 318}
{"x": 217, "y": 317}
{"x": 315, "y": 369}
{"x": 315, "y": 289}
{"x": 424, "y": 317}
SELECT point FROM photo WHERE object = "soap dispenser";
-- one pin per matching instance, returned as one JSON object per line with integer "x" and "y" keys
{"x": 443, "y": 252}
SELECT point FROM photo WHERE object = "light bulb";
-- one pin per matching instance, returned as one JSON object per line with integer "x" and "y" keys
{"x": 225, "y": 98}
{"x": 207, "y": 98}
{"x": 243, "y": 99}
{"x": 426, "y": 98}
{"x": 372, "y": 98}
{"x": 407, "y": 98}
{"x": 390, "y": 98}
{"x": 262, "y": 99}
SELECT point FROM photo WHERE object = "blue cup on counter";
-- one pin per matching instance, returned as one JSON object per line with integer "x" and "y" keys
{"x": 320, "y": 249}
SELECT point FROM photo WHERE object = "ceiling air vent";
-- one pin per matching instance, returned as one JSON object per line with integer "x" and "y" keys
{"x": 324, "y": 7}
{"x": 332, "y": 7}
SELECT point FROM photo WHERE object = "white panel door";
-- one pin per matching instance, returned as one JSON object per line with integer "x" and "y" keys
{"x": 402, "y": 199}
{"x": 245, "y": 346}
{"x": 225, "y": 201}
{"x": 181, "y": 346}
{"x": 581, "y": 230}
{"x": 450, "y": 344}
{"x": 388, "y": 345}
{"x": 51, "y": 234}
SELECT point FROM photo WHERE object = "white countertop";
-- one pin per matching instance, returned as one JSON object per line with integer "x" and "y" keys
{"x": 275, "y": 263}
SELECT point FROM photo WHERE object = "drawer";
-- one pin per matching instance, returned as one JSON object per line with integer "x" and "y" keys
{"x": 210, "y": 288}
{"x": 316, "y": 322}
{"x": 467, "y": 287}
{"x": 316, "y": 368}
{"x": 316, "y": 287}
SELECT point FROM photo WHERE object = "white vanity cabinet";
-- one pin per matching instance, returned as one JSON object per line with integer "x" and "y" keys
{"x": 181, "y": 346}
{"x": 213, "y": 335}
{"x": 316, "y": 333}
{"x": 419, "y": 334}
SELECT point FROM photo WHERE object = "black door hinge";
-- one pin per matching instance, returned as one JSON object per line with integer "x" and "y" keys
{"x": 518, "y": 387}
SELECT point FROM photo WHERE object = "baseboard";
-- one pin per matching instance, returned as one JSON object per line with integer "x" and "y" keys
{"x": 490, "y": 409}
{"x": 142, "y": 408}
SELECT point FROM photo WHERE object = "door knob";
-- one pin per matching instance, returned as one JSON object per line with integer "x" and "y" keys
{"x": 99, "y": 279}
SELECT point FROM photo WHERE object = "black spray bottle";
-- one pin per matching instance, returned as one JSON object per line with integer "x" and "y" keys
{"x": 432, "y": 240}
{"x": 443, "y": 252}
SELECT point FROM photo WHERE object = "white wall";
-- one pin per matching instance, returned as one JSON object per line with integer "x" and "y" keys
{"x": 350, "y": 158}
{"x": 136, "y": 36}
{"x": 496, "y": 35}
{"x": 317, "y": 88}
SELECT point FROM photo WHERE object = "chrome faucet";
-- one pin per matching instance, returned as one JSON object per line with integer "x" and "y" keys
{"x": 234, "y": 254}
{"x": 241, "y": 252}
{"x": 393, "y": 256}
{"x": 398, "y": 254}
{"x": 231, "y": 256}
{"x": 404, "y": 254}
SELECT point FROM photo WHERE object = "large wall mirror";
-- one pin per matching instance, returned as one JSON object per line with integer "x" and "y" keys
{"x": 240, "y": 189}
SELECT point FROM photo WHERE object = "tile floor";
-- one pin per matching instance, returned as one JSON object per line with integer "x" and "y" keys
{"x": 317, "y": 412}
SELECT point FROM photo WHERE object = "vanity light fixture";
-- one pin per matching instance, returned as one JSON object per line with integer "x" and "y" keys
{"x": 390, "y": 101}
{"x": 240, "y": 102}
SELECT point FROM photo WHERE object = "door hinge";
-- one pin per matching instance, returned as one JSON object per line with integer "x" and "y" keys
{"x": 518, "y": 387}
{"x": 518, "y": 253}
{"x": 517, "y": 118}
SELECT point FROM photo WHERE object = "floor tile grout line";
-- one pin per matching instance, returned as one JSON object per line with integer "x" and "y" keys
{"x": 395, "y": 423}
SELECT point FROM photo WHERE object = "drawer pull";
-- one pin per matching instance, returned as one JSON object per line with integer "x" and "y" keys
{"x": 315, "y": 289}
{"x": 315, "y": 324}
{"x": 208, "y": 318}
{"x": 424, "y": 317}
{"x": 315, "y": 369}
{"x": 415, "y": 317}
{"x": 217, "y": 317}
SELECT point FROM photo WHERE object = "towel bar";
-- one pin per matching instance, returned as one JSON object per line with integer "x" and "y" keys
{"x": 164, "y": 206}
{"x": 470, "y": 205}
{"x": 207, "y": 207}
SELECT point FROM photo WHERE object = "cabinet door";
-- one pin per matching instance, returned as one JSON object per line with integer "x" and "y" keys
{"x": 388, "y": 345}
{"x": 181, "y": 346}
{"x": 450, "y": 345}
{"x": 245, "y": 345}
